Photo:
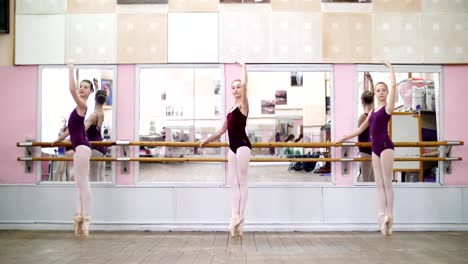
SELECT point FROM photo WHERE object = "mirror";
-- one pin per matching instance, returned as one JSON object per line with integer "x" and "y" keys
{"x": 56, "y": 104}
{"x": 289, "y": 104}
{"x": 416, "y": 118}
{"x": 180, "y": 104}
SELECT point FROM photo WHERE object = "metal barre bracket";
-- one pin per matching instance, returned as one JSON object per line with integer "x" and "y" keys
{"x": 345, "y": 149}
{"x": 125, "y": 158}
{"x": 28, "y": 153}
{"x": 447, "y": 151}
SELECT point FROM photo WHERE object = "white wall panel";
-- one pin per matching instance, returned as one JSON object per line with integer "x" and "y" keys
{"x": 284, "y": 205}
{"x": 445, "y": 6}
{"x": 91, "y": 38}
{"x": 192, "y": 37}
{"x": 428, "y": 205}
{"x": 350, "y": 205}
{"x": 40, "y": 6}
{"x": 245, "y": 34}
{"x": 445, "y": 38}
{"x": 198, "y": 205}
{"x": 40, "y": 39}
{"x": 296, "y": 37}
{"x": 268, "y": 208}
{"x": 465, "y": 205}
{"x": 398, "y": 37}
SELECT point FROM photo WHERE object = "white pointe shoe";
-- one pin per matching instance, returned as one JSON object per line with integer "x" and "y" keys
{"x": 78, "y": 221}
{"x": 240, "y": 228}
{"x": 383, "y": 220}
{"x": 235, "y": 221}
{"x": 85, "y": 226}
{"x": 390, "y": 225}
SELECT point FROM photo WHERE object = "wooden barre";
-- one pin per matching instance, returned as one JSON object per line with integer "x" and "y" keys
{"x": 148, "y": 159}
{"x": 254, "y": 145}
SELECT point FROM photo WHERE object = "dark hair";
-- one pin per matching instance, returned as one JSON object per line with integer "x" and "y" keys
{"x": 236, "y": 80}
{"x": 383, "y": 84}
{"x": 88, "y": 82}
{"x": 367, "y": 97}
{"x": 100, "y": 97}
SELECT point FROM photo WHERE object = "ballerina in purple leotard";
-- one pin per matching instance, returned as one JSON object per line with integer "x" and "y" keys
{"x": 239, "y": 151}
{"x": 382, "y": 149}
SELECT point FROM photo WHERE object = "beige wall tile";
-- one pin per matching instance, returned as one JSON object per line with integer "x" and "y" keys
{"x": 397, "y": 5}
{"x": 91, "y": 6}
{"x": 141, "y": 38}
{"x": 346, "y": 38}
{"x": 296, "y": 5}
{"x": 193, "y": 5}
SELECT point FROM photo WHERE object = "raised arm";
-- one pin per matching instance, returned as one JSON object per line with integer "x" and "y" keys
{"x": 90, "y": 121}
{"x": 72, "y": 86}
{"x": 368, "y": 82}
{"x": 357, "y": 132}
{"x": 392, "y": 90}
{"x": 218, "y": 134}
{"x": 244, "y": 99}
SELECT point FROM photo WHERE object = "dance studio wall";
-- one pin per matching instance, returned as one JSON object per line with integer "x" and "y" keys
{"x": 20, "y": 103}
{"x": 294, "y": 31}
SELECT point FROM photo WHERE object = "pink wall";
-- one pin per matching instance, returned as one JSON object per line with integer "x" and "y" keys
{"x": 232, "y": 71}
{"x": 19, "y": 119}
{"x": 125, "y": 118}
{"x": 344, "y": 107}
{"x": 455, "y": 125}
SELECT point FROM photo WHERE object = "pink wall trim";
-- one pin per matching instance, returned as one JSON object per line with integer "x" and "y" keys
{"x": 455, "y": 80}
{"x": 344, "y": 107}
{"x": 19, "y": 104}
{"x": 125, "y": 118}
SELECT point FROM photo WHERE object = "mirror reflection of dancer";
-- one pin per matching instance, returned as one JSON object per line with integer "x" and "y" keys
{"x": 239, "y": 151}
{"x": 82, "y": 147}
{"x": 63, "y": 167}
{"x": 367, "y": 102}
{"x": 382, "y": 149}
{"x": 93, "y": 127}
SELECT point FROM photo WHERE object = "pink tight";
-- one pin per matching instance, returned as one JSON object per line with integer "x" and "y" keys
{"x": 238, "y": 167}
{"x": 383, "y": 171}
{"x": 83, "y": 192}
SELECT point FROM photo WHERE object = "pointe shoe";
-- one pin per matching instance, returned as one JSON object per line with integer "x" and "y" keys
{"x": 383, "y": 220}
{"x": 240, "y": 228}
{"x": 235, "y": 221}
{"x": 390, "y": 225}
{"x": 85, "y": 226}
{"x": 78, "y": 221}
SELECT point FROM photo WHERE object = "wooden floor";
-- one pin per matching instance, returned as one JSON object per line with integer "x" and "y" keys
{"x": 216, "y": 247}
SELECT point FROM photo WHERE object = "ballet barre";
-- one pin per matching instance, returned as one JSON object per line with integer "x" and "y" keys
{"x": 125, "y": 159}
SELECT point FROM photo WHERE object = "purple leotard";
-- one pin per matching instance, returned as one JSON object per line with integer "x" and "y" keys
{"x": 76, "y": 128}
{"x": 365, "y": 137}
{"x": 236, "y": 122}
{"x": 94, "y": 134}
{"x": 378, "y": 124}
